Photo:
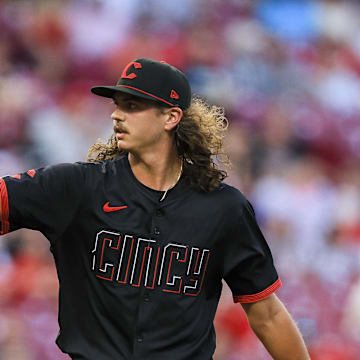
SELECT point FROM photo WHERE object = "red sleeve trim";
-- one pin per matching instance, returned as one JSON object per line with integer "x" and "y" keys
{"x": 4, "y": 200}
{"x": 259, "y": 296}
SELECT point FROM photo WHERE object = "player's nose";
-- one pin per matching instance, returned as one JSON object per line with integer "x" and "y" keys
{"x": 118, "y": 115}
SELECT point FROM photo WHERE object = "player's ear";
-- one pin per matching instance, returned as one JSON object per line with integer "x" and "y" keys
{"x": 174, "y": 116}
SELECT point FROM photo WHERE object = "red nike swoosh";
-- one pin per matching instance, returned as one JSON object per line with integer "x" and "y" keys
{"x": 108, "y": 208}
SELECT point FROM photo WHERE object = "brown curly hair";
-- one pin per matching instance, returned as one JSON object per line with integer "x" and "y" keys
{"x": 199, "y": 142}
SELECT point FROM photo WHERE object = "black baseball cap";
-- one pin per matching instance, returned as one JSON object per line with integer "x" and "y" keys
{"x": 153, "y": 80}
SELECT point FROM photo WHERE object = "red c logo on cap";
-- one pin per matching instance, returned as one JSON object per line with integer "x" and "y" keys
{"x": 131, "y": 75}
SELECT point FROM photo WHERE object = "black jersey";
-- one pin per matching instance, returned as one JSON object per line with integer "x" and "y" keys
{"x": 139, "y": 278}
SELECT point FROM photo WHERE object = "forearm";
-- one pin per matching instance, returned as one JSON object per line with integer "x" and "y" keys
{"x": 279, "y": 334}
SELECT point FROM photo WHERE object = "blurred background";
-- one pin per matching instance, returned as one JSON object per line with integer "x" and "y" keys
{"x": 287, "y": 73}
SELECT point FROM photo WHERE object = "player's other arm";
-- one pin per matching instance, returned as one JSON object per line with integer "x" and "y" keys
{"x": 26, "y": 199}
{"x": 275, "y": 328}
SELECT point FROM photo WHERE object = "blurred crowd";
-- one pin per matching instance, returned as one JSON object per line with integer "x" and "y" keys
{"x": 287, "y": 73}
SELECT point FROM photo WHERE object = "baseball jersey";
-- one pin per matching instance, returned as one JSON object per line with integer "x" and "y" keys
{"x": 139, "y": 279}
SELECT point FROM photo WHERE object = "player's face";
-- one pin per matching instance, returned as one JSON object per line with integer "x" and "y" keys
{"x": 138, "y": 123}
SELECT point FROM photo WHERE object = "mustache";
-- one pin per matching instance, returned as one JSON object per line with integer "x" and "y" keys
{"x": 119, "y": 129}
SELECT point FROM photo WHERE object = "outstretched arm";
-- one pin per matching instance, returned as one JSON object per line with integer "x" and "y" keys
{"x": 27, "y": 199}
{"x": 275, "y": 328}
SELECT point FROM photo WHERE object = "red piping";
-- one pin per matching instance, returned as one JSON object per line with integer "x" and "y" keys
{"x": 259, "y": 296}
{"x": 146, "y": 93}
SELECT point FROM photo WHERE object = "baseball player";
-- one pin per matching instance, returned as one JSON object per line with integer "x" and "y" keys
{"x": 144, "y": 232}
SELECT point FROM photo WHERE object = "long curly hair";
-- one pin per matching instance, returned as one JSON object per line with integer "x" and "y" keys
{"x": 199, "y": 142}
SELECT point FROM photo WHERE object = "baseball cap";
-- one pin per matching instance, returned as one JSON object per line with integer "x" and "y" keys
{"x": 152, "y": 80}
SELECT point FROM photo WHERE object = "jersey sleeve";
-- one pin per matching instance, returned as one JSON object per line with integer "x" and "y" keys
{"x": 249, "y": 269}
{"x": 45, "y": 199}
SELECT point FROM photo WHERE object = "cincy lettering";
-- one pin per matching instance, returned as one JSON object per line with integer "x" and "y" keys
{"x": 141, "y": 262}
